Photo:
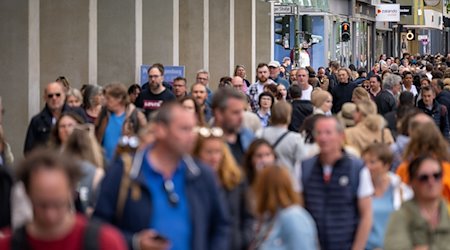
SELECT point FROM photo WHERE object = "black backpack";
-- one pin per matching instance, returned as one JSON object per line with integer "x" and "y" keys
{"x": 90, "y": 237}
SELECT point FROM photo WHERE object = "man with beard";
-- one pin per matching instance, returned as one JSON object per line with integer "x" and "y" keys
{"x": 228, "y": 110}
{"x": 153, "y": 97}
{"x": 257, "y": 88}
{"x": 200, "y": 94}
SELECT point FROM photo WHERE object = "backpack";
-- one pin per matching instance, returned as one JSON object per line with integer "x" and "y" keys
{"x": 90, "y": 237}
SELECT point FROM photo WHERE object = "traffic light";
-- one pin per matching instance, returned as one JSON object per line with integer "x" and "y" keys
{"x": 306, "y": 28}
{"x": 283, "y": 30}
{"x": 345, "y": 31}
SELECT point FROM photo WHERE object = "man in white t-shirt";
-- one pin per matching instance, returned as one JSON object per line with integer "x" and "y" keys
{"x": 336, "y": 189}
{"x": 303, "y": 81}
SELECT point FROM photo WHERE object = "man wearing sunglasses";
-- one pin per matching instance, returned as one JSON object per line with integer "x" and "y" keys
{"x": 175, "y": 203}
{"x": 41, "y": 124}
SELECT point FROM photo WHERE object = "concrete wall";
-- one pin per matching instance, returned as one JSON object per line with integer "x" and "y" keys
{"x": 103, "y": 49}
{"x": 116, "y": 41}
{"x": 243, "y": 35}
{"x": 14, "y": 70}
{"x": 157, "y": 35}
{"x": 64, "y": 30}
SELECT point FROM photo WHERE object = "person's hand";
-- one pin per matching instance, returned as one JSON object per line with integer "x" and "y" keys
{"x": 147, "y": 241}
{"x": 421, "y": 247}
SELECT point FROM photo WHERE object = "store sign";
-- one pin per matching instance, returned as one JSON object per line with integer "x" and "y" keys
{"x": 405, "y": 10}
{"x": 387, "y": 13}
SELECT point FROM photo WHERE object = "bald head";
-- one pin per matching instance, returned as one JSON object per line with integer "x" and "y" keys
{"x": 54, "y": 96}
{"x": 238, "y": 83}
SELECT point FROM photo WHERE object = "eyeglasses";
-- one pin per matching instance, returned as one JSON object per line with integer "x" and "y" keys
{"x": 169, "y": 188}
{"x": 426, "y": 177}
{"x": 208, "y": 132}
{"x": 50, "y": 96}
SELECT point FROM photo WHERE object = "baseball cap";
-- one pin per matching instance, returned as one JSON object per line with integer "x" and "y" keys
{"x": 274, "y": 64}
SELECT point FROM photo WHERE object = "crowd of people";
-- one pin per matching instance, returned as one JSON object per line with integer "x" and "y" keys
{"x": 334, "y": 158}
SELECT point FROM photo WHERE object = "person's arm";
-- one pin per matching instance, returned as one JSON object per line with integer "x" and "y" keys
{"x": 30, "y": 137}
{"x": 365, "y": 223}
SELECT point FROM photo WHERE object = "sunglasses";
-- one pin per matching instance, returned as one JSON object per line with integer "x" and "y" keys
{"x": 169, "y": 188}
{"x": 129, "y": 141}
{"x": 52, "y": 95}
{"x": 208, "y": 132}
{"x": 425, "y": 177}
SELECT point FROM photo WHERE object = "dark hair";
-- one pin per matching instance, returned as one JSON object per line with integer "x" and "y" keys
{"x": 407, "y": 73}
{"x": 416, "y": 163}
{"x": 45, "y": 158}
{"x": 404, "y": 115}
{"x": 180, "y": 78}
{"x": 440, "y": 83}
{"x": 225, "y": 82}
{"x": 266, "y": 94}
{"x": 133, "y": 88}
{"x": 427, "y": 88}
{"x": 55, "y": 141}
{"x": 352, "y": 67}
{"x": 158, "y": 66}
{"x": 308, "y": 125}
{"x": 437, "y": 74}
{"x": 425, "y": 79}
{"x": 220, "y": 101}
{"x": 295, "y": 91}
{"x": 250, "y": 170}
{"x": 377, "y": 77}
{"x": 406, "y": 98}
{"x": 262, "y": 65}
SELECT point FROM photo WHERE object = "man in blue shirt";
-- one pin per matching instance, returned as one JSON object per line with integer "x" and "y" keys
{"x": 175, "y": 203}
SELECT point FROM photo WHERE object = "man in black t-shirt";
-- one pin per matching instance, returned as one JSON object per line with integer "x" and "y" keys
{"x": 153, "y": 97}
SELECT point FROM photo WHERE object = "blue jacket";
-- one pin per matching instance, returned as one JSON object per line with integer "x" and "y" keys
{"x": 209, "y": 216}
{"x": 293, "y": 228}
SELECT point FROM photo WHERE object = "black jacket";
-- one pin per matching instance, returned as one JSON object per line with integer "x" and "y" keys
{"x": 342, "y": 93}
{"x": 241, "y": 217}
{"x": 300, "y": 110}
{"x": 6, "y": 183}
{"x": 439, "y": 114}
{"x": 385, "y": 102}
{"x": 444, "y": 99}
{"x": 41, "y": 125}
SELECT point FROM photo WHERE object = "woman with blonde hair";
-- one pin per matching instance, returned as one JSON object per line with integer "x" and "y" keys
{"x": 359, "y": 94}
{"x": 83, "y": 146}
{"x": 322, "y": 101}
{"x": 370, "y": 127}
{"x": 74, "y": 98}
{"x": 283, "y": 223}
{"x": 212, "y": 150}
